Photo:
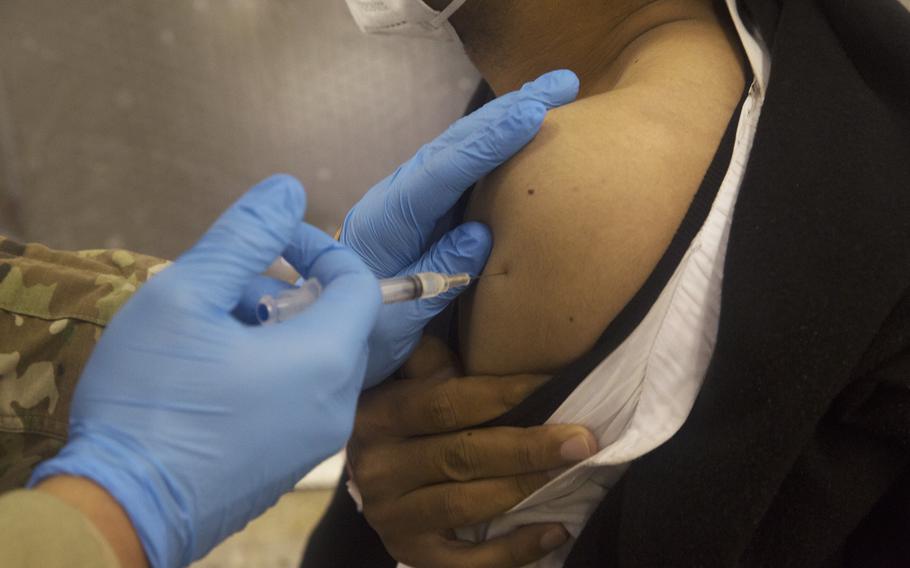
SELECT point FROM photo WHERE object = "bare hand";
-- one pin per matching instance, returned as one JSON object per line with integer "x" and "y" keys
{"x": 423, "y": 473}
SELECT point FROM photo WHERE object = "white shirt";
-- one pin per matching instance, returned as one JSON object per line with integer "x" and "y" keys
{"x": 642, "y": 393}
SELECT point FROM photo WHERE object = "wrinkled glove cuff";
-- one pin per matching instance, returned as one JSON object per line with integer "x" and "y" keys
{"x": 141, "y": 487}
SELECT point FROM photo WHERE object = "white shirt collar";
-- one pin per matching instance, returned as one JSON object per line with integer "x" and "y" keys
{"x": 756, "y": 49}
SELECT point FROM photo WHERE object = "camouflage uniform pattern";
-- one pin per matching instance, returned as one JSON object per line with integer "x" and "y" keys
{"x": 53, "y": 308}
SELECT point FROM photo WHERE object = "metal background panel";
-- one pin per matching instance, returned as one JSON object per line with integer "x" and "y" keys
{"x": 133, "y": 123}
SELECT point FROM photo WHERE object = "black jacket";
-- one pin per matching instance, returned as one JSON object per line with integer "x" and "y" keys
{"x": 797, "y": 452}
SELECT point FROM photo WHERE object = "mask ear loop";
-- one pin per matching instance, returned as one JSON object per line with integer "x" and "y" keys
{"x": 444, "y": 16}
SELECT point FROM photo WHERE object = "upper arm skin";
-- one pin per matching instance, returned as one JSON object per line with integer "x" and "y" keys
{"x": 580, "y": 218}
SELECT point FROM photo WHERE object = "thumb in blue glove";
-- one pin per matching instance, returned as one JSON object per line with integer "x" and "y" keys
{"x": 196, "y": 423}
{"x": 400, "y": 326}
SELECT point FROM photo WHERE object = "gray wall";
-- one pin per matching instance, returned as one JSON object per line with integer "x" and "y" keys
{"x": 132, "y": 123}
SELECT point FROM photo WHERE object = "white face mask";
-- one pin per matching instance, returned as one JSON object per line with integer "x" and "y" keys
{"x": 404, "y": 17}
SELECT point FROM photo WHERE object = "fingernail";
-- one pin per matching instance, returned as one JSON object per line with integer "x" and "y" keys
{"x": 553, "y": 539}
{"x": 575, "y": 449}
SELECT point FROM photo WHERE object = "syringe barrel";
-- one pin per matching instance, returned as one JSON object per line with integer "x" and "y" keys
{"x": 403, "y": 289}
{"x": 420, "y": 286}
{"x": 289, "y": 303}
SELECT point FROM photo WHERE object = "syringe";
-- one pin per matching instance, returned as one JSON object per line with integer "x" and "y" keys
{"x": 418, "y": 286}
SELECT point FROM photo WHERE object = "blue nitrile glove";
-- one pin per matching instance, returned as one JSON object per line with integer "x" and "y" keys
{"x": 392, "y": 226}
{"x": 196, "y": 423}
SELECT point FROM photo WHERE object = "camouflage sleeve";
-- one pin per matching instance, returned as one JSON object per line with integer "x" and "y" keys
{"x": 53, "y": 308}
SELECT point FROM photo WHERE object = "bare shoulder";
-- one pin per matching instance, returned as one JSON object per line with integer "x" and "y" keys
{"x": 580, "y": 218}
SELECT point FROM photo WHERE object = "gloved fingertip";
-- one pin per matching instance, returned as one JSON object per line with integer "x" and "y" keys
{"x": 295, "y": 195}
{"x": 282, "y": 179}
{"x": 473, "y": 229}
{"x": 473, "y": 240}
{"x": 557, "y": 87}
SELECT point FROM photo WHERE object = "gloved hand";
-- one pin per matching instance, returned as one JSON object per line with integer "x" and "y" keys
{"x": 393, "y": 226}
{"x": 196, "y": 423}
